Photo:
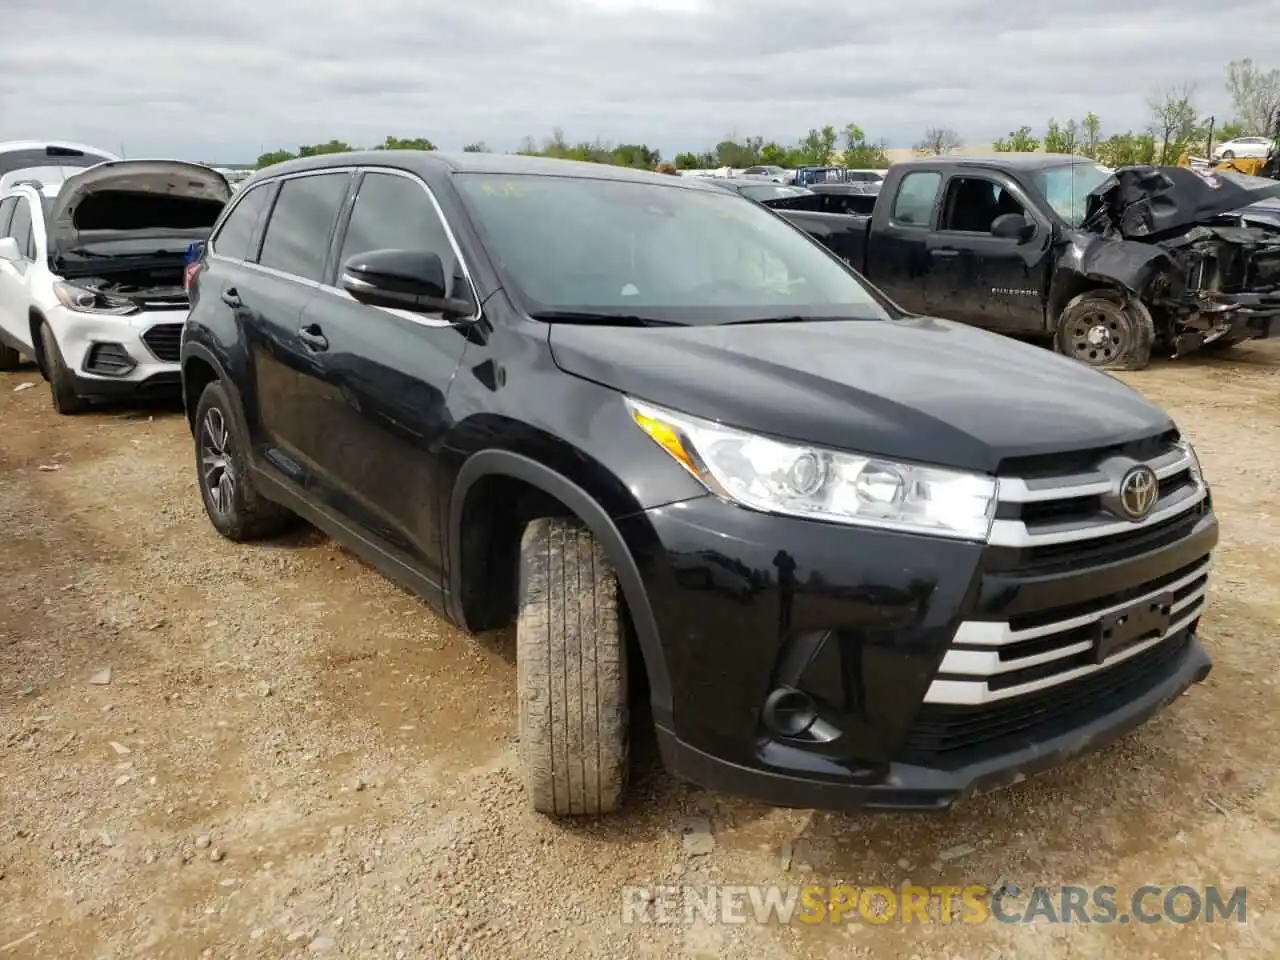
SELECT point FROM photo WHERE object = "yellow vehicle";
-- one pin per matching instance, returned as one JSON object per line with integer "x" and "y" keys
{"x": 1251, "y": 166}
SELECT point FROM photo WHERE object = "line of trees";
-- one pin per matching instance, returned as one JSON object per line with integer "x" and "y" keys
{"x": 1175, "y": 126}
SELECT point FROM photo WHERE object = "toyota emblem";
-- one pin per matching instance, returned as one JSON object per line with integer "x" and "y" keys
{"x": 1139, "y": 490}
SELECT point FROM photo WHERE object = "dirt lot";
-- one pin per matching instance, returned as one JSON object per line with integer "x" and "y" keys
{"x": 293, "y": 757}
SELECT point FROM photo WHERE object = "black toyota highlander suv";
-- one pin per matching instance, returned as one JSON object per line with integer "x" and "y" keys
{"x": 849, "y": 556}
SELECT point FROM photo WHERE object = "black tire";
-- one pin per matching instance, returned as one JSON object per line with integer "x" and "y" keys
{"x": 62, "y": 385}
{"x": 10, "y": 359}
{"x": 235, "y": 507}
{"x": 1102, "y": 331}
{"x": 572, "y": 672}
{"x": 1228, "y": 154}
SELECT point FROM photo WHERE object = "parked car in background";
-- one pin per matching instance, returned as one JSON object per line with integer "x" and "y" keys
{"x": 1242, "y": 147}
{"x": 850, "y": 557}
{"x": 1108, "y": 264}
{"x": 91, "y": 275}
{"x": 45, "y": 161}
{"x": 766, "y": 172}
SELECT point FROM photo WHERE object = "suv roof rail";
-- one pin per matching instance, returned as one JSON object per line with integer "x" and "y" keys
{"x": 32, "y": 182}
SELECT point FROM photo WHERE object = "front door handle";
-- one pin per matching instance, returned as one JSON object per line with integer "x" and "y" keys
{"x": 944, "y": 252}
{"x": 230, "y": 297}
{"x": 313, "y": 337}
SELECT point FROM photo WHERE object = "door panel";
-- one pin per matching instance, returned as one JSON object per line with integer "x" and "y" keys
{"x": 376, "y": 381}
{"x": 988, "y": 281}
{"x": 898, "y": 257}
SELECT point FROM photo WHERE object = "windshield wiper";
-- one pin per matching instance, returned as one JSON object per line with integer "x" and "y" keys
{"x": 603, "y": 319}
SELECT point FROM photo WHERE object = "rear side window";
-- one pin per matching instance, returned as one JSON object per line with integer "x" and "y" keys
{"x": 395, "y": 213}
{"x": 6, "y": 215}
{"x": 297, "y": 237}
{"x": 914, "y": 203}
{"x": 236, "y": 234}
{"x": 20, "y": 229}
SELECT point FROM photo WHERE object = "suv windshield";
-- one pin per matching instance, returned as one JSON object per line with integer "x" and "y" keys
{"x": 1067, "y": 188}
{"x": 581, "y": 246}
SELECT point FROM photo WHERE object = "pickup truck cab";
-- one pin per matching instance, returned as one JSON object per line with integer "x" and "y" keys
{"x": 847, "y": 557}
{"x": 1109, "y": 264}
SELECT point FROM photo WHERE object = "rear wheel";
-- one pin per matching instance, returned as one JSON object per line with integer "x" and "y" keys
{"x": 1101, "y": 331}
{"x": 234, "y": 505}
{"x": 572, "y": 672}
{"x": 62, "y": 385}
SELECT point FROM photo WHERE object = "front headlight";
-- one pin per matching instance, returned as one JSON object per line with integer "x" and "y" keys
{"x": 774, "y": 476}
{"x": 88, "y": 300}
{"x": 1196, "y": 473}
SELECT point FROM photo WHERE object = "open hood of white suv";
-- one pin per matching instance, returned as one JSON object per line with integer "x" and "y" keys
{"x": 133, "y": 200}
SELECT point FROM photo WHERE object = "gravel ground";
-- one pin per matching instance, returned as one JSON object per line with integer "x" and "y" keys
{"x": 211, "y": 750}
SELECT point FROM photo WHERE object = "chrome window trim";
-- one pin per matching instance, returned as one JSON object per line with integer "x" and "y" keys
{"x": 419, "y": 319}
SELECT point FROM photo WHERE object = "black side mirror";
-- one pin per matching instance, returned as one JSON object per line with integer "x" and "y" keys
{"x": 1012, "y": 226}
{"x": 402, "y": 279}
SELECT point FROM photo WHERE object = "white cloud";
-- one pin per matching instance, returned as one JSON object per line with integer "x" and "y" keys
{"x": 224, "y": 81}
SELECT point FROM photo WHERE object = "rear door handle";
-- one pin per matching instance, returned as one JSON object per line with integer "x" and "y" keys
{"x": 231, "y": 298}
{"x": 313, "y": 337}
{"x": 944, "y": 252}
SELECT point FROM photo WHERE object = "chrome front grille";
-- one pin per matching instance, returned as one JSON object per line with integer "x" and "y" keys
{"x": 1069, "y": 521}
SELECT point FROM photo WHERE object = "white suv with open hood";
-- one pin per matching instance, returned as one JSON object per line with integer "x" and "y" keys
{"x": 91, "y": 274}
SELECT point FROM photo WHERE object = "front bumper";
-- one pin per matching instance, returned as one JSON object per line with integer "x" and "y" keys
{"x": 905, "y": 786}
{"x": 120, "y": 357}
{"x": 1258, "y": 317}
{"x": 865, "y": 622}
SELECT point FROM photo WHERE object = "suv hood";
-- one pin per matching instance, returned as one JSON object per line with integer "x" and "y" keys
{"x": 1143, "y": 202}
{"x": 136, "y": 199}
{"x": 916, "y": 389}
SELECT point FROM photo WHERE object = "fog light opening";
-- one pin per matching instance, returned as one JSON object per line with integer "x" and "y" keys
{"x": 790, "y": 712}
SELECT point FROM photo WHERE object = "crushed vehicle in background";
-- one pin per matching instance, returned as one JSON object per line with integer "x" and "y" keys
{"x": 1108, "y": 264}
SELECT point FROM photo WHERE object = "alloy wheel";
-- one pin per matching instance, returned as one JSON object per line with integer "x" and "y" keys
{"x": 216, "y": 468}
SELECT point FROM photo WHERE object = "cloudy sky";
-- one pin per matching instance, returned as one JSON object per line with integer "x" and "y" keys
{"x": 222, "y": 80}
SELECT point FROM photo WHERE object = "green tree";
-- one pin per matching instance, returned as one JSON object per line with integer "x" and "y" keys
{"x": 1091, "y": 134}
{"x": 398, "y": 143}
{"x": 938, "y": 141}
{"x": 860, "y": 154}
{"x": 637, "y": 155}
{"x": 1018, "y": 141}
{"x": 732, "y": 153}
{"x": 319, "y": 149}
{"x": 1062, "y": 139}
{"x": 1174, "y": 120}
{"x": 776, "y": 155}
{"x": 687, "y": 161}
{"x": 478, "y": 147}
{"x": 817, "y": 148}
{"x": 273, "y": 157}
{"x": 1255, "y": 95}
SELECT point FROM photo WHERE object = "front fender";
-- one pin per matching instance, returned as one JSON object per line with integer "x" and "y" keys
{"x": 488, "y": 463}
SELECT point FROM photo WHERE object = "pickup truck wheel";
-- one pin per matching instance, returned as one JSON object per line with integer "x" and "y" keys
{"x": 1102, "y": 332}
{"x": 62, "y": 386}
{"x": 235, "y": 508}
{"x": 572, "y": 672}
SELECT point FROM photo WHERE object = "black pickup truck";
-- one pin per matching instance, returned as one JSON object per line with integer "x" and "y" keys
{"x": 1109, "y": 264}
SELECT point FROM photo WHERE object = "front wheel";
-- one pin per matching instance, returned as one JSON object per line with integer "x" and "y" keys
{"x": 572, "y": 672}
{"x": 1228, "y": 154}
{"x": 62, "y": 385}
{"x": 1099, "y": 330}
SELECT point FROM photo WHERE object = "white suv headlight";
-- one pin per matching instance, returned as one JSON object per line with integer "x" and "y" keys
{"x": 775, "y": 476}
{"x": 87, "y": 300}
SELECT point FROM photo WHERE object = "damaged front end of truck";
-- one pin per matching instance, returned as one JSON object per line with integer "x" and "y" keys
{"x": 1200, "y": 250}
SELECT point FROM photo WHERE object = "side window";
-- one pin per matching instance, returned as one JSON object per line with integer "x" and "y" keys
{"x": 914, "y": 203}
{"x": 395, "y": 213}
{"x": 237, "y": 231}
{"x": 297, "y": 237}
{"x": 6, "y": 215}
{"x": 973, "y": 203}
{"x": 20, "y": 229}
